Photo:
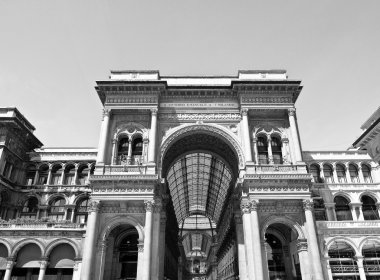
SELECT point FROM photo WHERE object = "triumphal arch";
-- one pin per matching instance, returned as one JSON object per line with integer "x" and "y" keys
{"x": 200, "y": 178}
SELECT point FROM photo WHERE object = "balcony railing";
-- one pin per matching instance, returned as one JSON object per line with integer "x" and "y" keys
{"x": 347, "y": 224}
{"x": 279, "y": 168}
{"x": 38, "y": 224}
{"x": 121, "y": 169}
{"x": 347, "y": 268}
{"x": 372, "y": 267}
{"x": 346, "y": 186}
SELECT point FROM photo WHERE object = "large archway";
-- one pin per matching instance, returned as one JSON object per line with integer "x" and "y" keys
{"x": 200, "y": 168}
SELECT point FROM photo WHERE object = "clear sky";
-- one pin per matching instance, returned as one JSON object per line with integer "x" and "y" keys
{"x": 52, "y": 52}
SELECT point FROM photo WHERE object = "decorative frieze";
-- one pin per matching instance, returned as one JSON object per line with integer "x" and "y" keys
{"x": 200, "y": 117}
{"x": 269, "y": 99}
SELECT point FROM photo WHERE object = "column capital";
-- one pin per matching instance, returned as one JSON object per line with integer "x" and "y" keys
{"x": 244, "y": 112}
{"x": 106, "y": 112}
{"x": 245, "y": 206}
{"x": 254, "y": 204}
{"x": 149, "y": 205}
{"x": 44, "y": 263}
{"x": 140, "y": 247}
{"x": 154, "y": 111}
{"x": 301, "y": 245}
{"x": 94, "y": 206}
{"x": 329, "y": 205}
{"x": 308, "y": 204}
{"x": 292, "y": 112}
{"x": 10, "y": 263}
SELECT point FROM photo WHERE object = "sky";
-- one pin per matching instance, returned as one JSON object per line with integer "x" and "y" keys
{"x": 52, "y": 52}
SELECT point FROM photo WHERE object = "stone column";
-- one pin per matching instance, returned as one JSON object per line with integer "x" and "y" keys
{"x": 242, "y": 261}
{"x": 270, "y": 153}
{"x": 129, "y": 156}
{"x": 360, "y": 173}
{"x": 348, "y": 177}
{"x": 328, "y": 268}
{"x": 303, "y": 256}
{"x": 48, "y": 181}
{"x": 103, "y": 137}
{"x": 256, "y": 242}
{"x": 77, "y": 269}
{"x": 245, "y": 132}
{"x": 359, "y": 261}
{"x": 62, "y": 179}
{"x": 89, "y": 172}
{"x": 156, "y": 223}
{"x": 254, "y": 144}
{"x": 35, "y": 180}
{"x": 149, "y": 205}
{"x": 321, "y": 174}
{"x": 330, "y": 211}
{"x": 43, "y": 266}
{"x": 8, "y": 268}
{"x": 162, "y": 245}
{"x": 140, "y": 259}
{"x": 285, "y": 151}
{"x": 245, "y": 207}
{"x": 114, "y": 151}
{"x": 152, "y": 137}
{"x": 90, "y": 241}
{"x": 294, "y": 131}
{"x": 353, "y": 211}
{"x": 335, "y": 175}
{"x": 74, "y": 182}
{"x": 313, "y": 242}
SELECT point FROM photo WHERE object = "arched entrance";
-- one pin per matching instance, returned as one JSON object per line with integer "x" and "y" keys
{"x": 121, "y": 256}
{"x": 200, "y": 165}
{"x": 282, "y": 258}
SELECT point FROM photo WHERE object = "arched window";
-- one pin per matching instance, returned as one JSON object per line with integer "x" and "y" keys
{"x": 366, "y": 170}
{"x": 122, "y": 151}
{"x": 69, "y": 175}
{"x": 369, "y": 208}
{"x": 276, "y": 150}
{"x": 262, "y": 149}
{"x": 30, "y": 175}
{"x": 30, "y": 208}
{"x": 83, "y": 174}
{"x": 81, "y": 211}
{"x": 371, "y": 262}
{"x": 319, "y": 209}
{"x": 328, "y": 173}
{"x": 57, "y": 209}
{"x": 314, "y": 170}
{"x": 342, "y": 261}
{"x": 56, "y": 174}
{"x": 137, "y": 149}
{"x": 341, "y": 173}
{"x": 353, "y": 173}
{"x": 43, "y": 173}
{"x": 342, "y": 209}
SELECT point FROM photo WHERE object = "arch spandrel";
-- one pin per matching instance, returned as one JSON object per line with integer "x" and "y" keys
{"x": 282, "y": 220}
{"x": 217, "y": 131}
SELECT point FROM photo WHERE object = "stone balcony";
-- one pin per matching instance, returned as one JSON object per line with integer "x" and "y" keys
{"x": 55, "y": 188}
{"x": 32, "y": 224}
{"x": 287, "y": 181}
{"x": 349, "y": 227}
{"x": 347, "y": 186}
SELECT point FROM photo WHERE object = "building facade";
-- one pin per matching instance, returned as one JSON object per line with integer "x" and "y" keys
{"x": 193, "y": 178}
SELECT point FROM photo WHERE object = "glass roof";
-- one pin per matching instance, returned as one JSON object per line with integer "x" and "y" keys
{"x": 196, "y": 245}
{"x": 198, "y": 184}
